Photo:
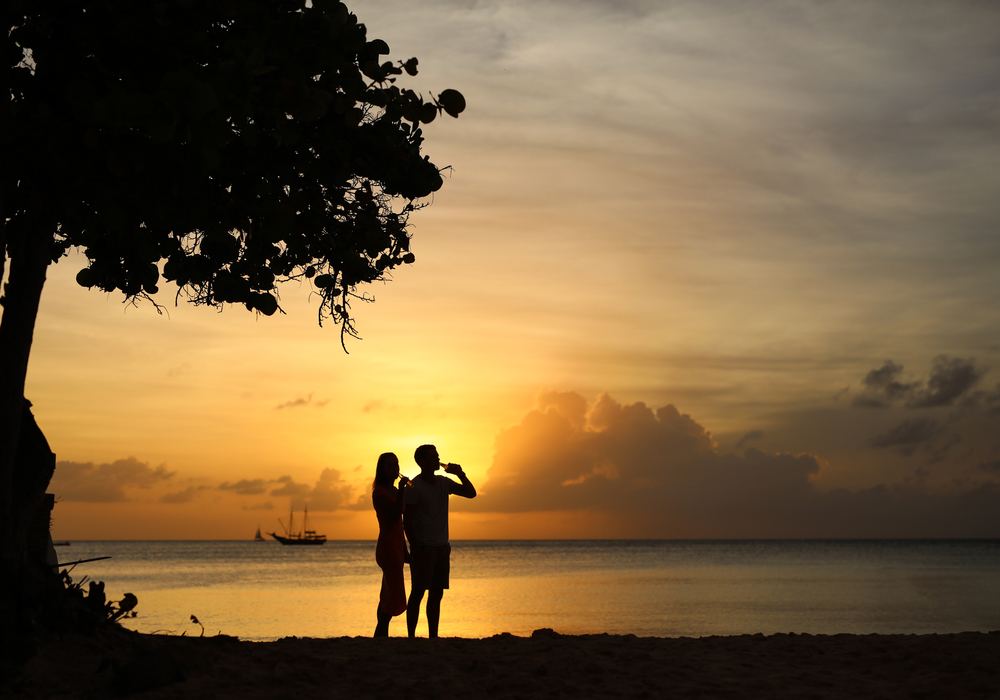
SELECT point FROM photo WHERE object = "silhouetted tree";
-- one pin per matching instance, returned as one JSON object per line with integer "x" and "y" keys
{"x": 222, "y": 145}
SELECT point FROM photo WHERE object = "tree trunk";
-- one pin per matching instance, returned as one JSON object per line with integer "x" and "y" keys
{"x": 31, "y": 508}
{"x": 29, "y": 260}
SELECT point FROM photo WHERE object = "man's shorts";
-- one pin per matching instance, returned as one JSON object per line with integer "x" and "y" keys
{"x": 429, "y": 566}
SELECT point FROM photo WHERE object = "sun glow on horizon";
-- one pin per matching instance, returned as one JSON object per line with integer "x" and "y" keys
{"x": 665, "y": 205}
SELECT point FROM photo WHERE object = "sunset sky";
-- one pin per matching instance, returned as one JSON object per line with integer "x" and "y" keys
{"x": 698, "y": 269}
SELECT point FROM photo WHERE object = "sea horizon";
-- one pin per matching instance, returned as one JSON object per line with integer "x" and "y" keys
{"x": 262, "y": 590}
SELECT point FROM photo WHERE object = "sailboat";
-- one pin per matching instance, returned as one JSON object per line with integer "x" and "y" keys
{"x": 258, "y": 537}
{"x": 307, "y": 536}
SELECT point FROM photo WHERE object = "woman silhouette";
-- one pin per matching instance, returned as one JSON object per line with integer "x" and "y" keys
{"x": 390, "y": 552}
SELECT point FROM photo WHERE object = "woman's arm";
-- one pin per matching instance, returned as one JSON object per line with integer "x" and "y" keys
{"x": 401, "y": 494}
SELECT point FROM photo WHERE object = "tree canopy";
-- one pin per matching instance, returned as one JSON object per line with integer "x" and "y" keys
{"x": 225, "y": 146}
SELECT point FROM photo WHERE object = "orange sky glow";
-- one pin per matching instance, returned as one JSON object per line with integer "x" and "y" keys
{"x": 694, "y": 272}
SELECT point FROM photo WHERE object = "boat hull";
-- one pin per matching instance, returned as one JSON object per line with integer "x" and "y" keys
{"x": 299, "y": 540}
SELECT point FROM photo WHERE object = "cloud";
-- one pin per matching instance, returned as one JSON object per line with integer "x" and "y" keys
{"x": 183, "y": 496}
{"x": 869, "y": 401}
{"x": 990, "y": 400}
{"x": 329, "y": 493}
{"x": 907, "y": 434}
{"x": 106, "y": 482}
{"x": 179, "y": 370}
{"x": 993, "y": 466}
{"x": 289, "y": 487}
{"x": 569, "y": 455}
{"x": 884, "y": 386}
{"x": 245, "y": 487}
{"x": 950, "y": 379}
{"x": 937, "y": 452}
{"x": 294, "y": 403}
{"x": 749, "y": 437}
{"x": 302, "y": 401}
{"x": 953, "y": 413}
{"x": 658, "y": 472}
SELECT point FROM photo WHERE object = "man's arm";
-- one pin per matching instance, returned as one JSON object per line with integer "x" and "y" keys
{"x": 464, "y": 489}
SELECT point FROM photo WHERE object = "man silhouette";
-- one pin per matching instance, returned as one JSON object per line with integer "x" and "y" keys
{"x": 425, "y": 520}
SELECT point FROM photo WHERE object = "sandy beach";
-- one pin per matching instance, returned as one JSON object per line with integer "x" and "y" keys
{"x": 544, "y": 665}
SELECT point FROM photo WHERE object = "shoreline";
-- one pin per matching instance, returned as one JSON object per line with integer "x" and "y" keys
{"x": 546, "y": 664}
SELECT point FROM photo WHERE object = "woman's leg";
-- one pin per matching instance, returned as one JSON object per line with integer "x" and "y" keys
{"x": 382, "y": 628}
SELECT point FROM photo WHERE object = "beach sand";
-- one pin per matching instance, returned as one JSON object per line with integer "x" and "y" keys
{"x": 504, "y": 666}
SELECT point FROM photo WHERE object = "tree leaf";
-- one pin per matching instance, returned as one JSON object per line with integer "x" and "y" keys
{"x": 378, "y": 46}
{"x": 452, "y": 102}
{"x": 265, "y": 303}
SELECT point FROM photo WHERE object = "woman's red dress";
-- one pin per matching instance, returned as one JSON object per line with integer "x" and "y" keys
{"x": 390, "y": 549}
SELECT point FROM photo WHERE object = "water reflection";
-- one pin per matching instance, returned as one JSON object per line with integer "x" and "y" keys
{"x": 265, "y": 591}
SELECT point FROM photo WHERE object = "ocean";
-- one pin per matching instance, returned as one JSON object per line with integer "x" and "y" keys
{"x": 263, "y": 590}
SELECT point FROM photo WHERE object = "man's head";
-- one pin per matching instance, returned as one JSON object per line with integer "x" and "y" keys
{"x": 426, "y": 457}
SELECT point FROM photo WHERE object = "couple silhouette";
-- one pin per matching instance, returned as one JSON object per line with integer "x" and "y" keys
{"x": 414, "y": 511}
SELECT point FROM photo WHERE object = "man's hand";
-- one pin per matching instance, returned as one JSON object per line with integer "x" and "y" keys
{"x": 403, "y": 480}
{"x": 465, "y": 489}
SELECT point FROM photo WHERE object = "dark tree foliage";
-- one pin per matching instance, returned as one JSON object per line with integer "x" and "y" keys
{"x": 225, "y": 146}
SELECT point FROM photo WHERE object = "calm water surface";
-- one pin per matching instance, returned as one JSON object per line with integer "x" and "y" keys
{"x": 655, "y": 588}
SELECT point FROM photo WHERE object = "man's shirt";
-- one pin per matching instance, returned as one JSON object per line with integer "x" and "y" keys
{"x": 426, "y": 514}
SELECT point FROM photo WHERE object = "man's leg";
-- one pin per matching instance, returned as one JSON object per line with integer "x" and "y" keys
{"x": 434, "y": 596}
{"x": 413, "y": 611}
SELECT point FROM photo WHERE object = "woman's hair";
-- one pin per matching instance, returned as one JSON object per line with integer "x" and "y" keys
{"x": 384, "y": 469}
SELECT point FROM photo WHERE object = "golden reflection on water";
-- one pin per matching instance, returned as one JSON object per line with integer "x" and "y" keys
{"x": 656, "y": 589}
